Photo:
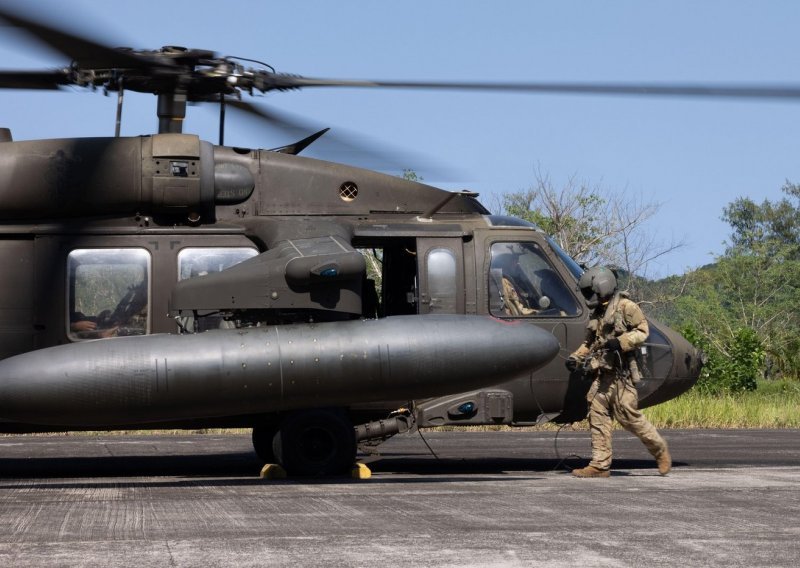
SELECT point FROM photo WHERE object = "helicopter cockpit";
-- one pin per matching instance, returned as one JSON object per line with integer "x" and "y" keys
{"x": 522, "y": 283}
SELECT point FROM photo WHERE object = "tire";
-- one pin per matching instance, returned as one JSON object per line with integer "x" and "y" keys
{"x": 263, "y": 434}
{"x": 315, "y": 443}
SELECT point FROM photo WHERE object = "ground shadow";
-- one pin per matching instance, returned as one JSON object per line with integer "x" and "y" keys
{"x": 244, "y": 467}
{"x": 201, "y": 465}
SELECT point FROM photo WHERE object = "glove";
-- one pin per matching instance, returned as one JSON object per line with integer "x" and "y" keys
{"x": 571, "y": 363}
{"x": 613, "y": 344}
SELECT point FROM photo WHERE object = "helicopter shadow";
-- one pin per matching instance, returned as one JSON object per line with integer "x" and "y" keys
{"x": 242, "y": 469}
{"x": 226, "y": 469}
{"x": 194, "y": 466}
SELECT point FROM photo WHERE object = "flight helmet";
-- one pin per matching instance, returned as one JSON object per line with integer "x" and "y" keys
{"x": 596, "y": 284}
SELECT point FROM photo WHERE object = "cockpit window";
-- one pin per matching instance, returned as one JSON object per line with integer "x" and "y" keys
{"x": 522, "y": 283}
{"x": 108, "y": 293}
{"x": 574, "y": 268}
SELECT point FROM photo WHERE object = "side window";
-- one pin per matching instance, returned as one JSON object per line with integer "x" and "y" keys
{"x": 522, "y": 283}
{"x": 199, "y": 261}
{"x": 108, "y": 293}
{"x": 442, "y": 280}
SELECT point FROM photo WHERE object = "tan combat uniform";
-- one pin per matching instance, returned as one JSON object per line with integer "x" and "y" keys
{"x": 613, "y": 394}
{"x": 513, "y": 305}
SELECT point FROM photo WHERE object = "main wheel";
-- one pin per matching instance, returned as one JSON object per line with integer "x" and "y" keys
{"x": 318, "y": 442}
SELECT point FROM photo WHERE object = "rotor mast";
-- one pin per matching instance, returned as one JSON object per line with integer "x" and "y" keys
{"x": 171, "y": 111}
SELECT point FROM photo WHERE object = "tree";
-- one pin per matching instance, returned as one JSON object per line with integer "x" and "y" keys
{"x": 764, "y": 252}
{"x": 743, "y": 298}
{"x": 735, "y": 370}
{"x": 574, "y": 215}
{"x": 744, "y": 310}
{"x": 593, "y": 225}
{"x": 411, "y": 175}
{"x": 766, "y": 228}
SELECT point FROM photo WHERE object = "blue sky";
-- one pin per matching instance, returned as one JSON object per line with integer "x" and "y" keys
{"x": 693, "y": 156}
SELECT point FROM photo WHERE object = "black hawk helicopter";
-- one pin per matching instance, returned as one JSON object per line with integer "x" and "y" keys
{"x": 163, "y": 281}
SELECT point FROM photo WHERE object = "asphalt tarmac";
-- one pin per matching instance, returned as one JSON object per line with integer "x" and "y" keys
{"x": 485, "y": 499}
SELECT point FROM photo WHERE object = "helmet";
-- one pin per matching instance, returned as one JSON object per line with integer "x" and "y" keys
{"x": 598, "y": 283}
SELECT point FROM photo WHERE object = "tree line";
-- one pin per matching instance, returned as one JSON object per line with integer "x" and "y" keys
{"x": 742, "y": 310}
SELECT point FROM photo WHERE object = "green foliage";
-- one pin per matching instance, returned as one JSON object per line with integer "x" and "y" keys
{"x": 733, "y": 367}
{"x": 747, "y": 360}
{"x": 772, "y": 227}
{"x": 744, "y": 310}
{"x": 374, "y": 260}
{"x": 411, "y": 175}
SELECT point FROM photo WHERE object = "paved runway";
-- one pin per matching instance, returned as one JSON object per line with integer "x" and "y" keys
{"x": 488, "y": 499}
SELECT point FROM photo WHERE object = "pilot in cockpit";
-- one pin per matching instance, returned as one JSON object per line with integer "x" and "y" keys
{"x": 517, "y": 300}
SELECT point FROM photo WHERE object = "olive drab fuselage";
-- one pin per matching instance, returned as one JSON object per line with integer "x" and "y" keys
{"x": 164, "y": 281}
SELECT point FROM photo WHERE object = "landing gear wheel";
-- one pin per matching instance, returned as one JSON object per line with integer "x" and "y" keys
{"x": 263, "y": 434}
{"x": 316, "y": 443}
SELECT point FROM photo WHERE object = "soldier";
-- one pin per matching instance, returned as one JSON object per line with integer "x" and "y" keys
{"x": 616, "y": 329}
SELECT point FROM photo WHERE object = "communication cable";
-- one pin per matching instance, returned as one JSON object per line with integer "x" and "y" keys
{"x": 562, "y": 461}
{"x": 412, "y": 412}
{"x": 555, "y": 440}
{"x": 419, "y": 431}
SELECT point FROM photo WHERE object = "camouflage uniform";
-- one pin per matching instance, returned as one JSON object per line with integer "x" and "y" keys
{"x": 613, "y": 394}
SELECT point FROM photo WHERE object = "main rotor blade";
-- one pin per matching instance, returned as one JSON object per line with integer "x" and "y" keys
{"x": 291, "y": 125}
{"x": 86, "y": 53}
{"x": 344, "y": 146}
{"x": 636, "y": 89}
{"x": 32, "y": 79}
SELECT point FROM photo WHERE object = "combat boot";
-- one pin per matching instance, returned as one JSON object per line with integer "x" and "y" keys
{"x": 664, "y": 462}
{"x": 591, "y": 471}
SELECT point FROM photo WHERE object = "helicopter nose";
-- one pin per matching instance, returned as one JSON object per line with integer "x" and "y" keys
{"x": 676, "y": 365}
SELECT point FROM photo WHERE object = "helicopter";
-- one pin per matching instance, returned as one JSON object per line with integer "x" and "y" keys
{"x": 163, "y": 281}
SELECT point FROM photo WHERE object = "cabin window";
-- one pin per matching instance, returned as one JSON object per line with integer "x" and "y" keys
{"x": 522, "y": 283}
{"x": 108, "y": 293}
{"x": 199, "y": 261}
{"x": 442, "y": 281}
{"x": 194, "y": 262}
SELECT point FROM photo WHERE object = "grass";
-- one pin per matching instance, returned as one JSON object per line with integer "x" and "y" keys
{"x": 775, "y": 404}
